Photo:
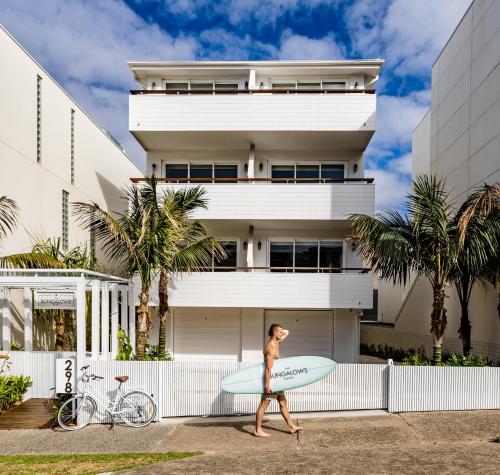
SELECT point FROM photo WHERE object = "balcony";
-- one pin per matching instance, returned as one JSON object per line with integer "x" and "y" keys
{"x": 270, "y": 119}
{"x": 281, "y": 199}
{"x": 258, "y": 288}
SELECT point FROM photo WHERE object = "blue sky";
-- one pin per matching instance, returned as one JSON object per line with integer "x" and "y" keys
{"x": 84, "y": 44}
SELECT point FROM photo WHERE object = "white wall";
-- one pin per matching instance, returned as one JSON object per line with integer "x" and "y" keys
{"x": 101, "y": 167}
{"x": 421, "y": 147}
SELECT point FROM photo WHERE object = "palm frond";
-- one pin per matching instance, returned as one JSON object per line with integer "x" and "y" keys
{"x": 9, "y": 212}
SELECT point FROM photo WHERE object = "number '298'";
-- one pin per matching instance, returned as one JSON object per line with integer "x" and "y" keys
{"x": 68, "y": 373}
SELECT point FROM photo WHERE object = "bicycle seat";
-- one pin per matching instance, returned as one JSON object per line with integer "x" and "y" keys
{"x": 121, "y": 379}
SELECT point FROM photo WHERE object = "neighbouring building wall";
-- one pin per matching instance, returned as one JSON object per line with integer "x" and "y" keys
{"x": 50, "y": 146}
{"x": 459, "y": 141}
{"x": 36, "y": 161}
{"x": 421, "y": 147}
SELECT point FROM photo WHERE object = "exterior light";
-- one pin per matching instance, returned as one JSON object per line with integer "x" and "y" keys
{"x": 153, "y": 84}
{"x": 246, "y": 167}
{"x": 261, "y": 167}
{"x": 355, "y": 167}
{"x": 153, "y": 166}
{"x": 259, "y": 245}
{"x": 245, "y": 245}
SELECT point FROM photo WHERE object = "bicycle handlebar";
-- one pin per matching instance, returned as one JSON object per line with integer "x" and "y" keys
{"x": 98, "y": 377}
{"x": 83, "y": 368}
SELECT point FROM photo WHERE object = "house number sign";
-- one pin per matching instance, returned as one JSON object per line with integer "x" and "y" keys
{"x": 65, "y": 376}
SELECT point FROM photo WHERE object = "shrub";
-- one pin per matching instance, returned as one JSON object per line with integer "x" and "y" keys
{"x": 463, "y": 360}
{"x": 417, "y": 359}
{"x": 152, "y": 353}
{"x": 386, "y": 351}
{"x": 125, "y": 352}
{"x": 12, "y": 390}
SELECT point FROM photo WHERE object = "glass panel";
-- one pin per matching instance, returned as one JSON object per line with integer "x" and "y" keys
{"x": 231, "y": 260}
{"x": 283, "y": 85}
{"x": 200, "y": 171}
{"x": 176, "y": 86}
{"x": 226, "y": 85}
{"x": 176, "y": 170}
{"x": 306, "y": 255}
{"x": 199, "y": 86}
{"x": 281, "y": 256}
{"x": 308, "y": 171}
{"x": 283, "y": 171}
{"x": 226, "y": 171}
{"x": 332, "y": 171}
{"x": 330, "y": 255}
{"x": 308, "y": 85}
{"x": 333, "y": 84}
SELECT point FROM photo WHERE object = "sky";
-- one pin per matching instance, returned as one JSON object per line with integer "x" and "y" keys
{"x": 84, "y": 45}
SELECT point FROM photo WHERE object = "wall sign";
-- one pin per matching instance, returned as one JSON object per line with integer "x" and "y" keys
{"x": 66, "y": 375}
{"x": 54, "y": 300}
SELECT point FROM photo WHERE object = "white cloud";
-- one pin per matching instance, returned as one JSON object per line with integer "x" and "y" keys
{"x": 391, "y": 188}
{"x": 302, "y": 47}
{"x": 402, "y": 164}
{"x": 409, "y": 34}
{"x": 85, "y": 46}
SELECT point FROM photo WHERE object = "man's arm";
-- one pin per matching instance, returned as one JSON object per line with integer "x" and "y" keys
{"x": 267, "y": 374}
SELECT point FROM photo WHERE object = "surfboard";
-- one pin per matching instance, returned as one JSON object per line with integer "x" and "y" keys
{"x": 286, "y": 373}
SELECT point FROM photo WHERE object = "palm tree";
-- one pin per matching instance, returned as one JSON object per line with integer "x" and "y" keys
{"x": 478, "y": 224}
{"x": 186, "y": 243}
{"x": 423, "y": 241}
{"x": 48, "y": 254}
{"x": 130, "y": 238}
{"x": 9, "y": 213}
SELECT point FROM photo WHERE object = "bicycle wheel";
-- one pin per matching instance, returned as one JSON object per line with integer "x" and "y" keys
{"x": 137, "y": 409}
{"x": 76, "y": 412}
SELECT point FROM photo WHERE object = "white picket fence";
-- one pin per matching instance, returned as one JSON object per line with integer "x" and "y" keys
{"x": 191, "y": 388}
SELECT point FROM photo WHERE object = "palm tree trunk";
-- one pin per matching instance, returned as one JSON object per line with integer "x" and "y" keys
{"x": 142, "y": 322}
{"x": 163, "y": 312}
{"x": 465, "y": 328}
{"x": 60, "y": 330}
{"x": 438, "y": 323}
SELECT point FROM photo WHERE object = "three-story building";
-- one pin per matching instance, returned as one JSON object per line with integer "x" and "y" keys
{"x": 278, "y": 146}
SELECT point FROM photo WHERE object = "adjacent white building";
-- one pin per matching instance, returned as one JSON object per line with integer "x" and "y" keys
{"x": 278, "y": 146}
{"x": 51, "y": 154}
{"x": 459, "y": 141}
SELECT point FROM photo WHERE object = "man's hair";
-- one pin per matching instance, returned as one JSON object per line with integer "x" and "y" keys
{"x": 273, "y": 327}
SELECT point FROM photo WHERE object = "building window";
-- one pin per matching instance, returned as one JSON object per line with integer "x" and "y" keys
{"x": 314, "y": 171}
{"x": 72, "y": 147}
{"x": 306, "y": 256}
{"x": 231, "y": 260}
{"x": 200, "y": 172}
{"x": 65, "y": 220}
{"x": 326, "y": 85}
{"x": 38, "y": 119}
{"x": 201, "y": 85}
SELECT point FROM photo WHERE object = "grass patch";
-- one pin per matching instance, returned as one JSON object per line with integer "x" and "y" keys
{"x": 497, "y": 439}
{"x": 83, "y": 463}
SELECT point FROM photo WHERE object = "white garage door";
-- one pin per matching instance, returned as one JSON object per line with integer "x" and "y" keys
{"x": 311, "y": 332}
{"x": 207, "y": 333}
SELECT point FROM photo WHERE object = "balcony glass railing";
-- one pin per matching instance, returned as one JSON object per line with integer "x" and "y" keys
{"x": 318, "y": 270}
{"x": 249, "y": 91}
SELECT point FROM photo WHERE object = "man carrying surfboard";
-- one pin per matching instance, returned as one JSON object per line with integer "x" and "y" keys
{"x": 272, "y": 352}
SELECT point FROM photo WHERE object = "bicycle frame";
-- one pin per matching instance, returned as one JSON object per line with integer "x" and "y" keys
{"x": 110, "y": 406}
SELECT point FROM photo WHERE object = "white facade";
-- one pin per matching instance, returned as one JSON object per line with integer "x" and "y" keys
{"x": 459, "y": 141}
{"x": 51, "y": 155}
{"x": 278, "y": 147}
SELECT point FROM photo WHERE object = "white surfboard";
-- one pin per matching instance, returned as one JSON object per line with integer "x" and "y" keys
{"x": 286, "y": 373}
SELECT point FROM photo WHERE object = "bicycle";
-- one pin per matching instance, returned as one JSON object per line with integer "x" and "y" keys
{"x": 135, "y": 407}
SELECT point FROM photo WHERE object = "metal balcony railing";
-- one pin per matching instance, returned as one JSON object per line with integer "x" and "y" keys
{"x": 256, "y": 180}
{"x": 247, "y": 91}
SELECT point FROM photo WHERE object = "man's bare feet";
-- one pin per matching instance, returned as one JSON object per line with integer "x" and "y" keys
{"x": 294, "y": 429}
{"x": 261, "y": 433}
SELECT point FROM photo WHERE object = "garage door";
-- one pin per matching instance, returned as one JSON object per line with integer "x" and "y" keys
{"x": 207, "y": 333}
{"x": 311, "y": 332}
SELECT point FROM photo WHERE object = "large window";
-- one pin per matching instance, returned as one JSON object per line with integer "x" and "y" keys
{"x": 324, "y": 85}
{"x": 306, "y": 256}
{"x": 200, "y": 172}
{"x": 231, "y": 260}
{"x": 201, "y": 85}
{"x": 312, "y": 171}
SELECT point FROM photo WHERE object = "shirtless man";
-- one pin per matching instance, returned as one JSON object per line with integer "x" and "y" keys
{"x": 272, "y": 352}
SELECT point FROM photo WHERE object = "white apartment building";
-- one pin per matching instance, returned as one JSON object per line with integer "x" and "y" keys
{"x": 51, "y": 154}
{"x": 278, "y": 146}
{"x": 459, "y": 141}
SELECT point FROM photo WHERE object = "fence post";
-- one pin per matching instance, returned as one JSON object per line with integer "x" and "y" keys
{"x": 28, "y": 319}
{"x": 390, "y": 366}
{"x": 159, "y": 395}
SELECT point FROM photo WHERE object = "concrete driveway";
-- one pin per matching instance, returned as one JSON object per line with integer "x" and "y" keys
{"x": 378, "y": 443}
